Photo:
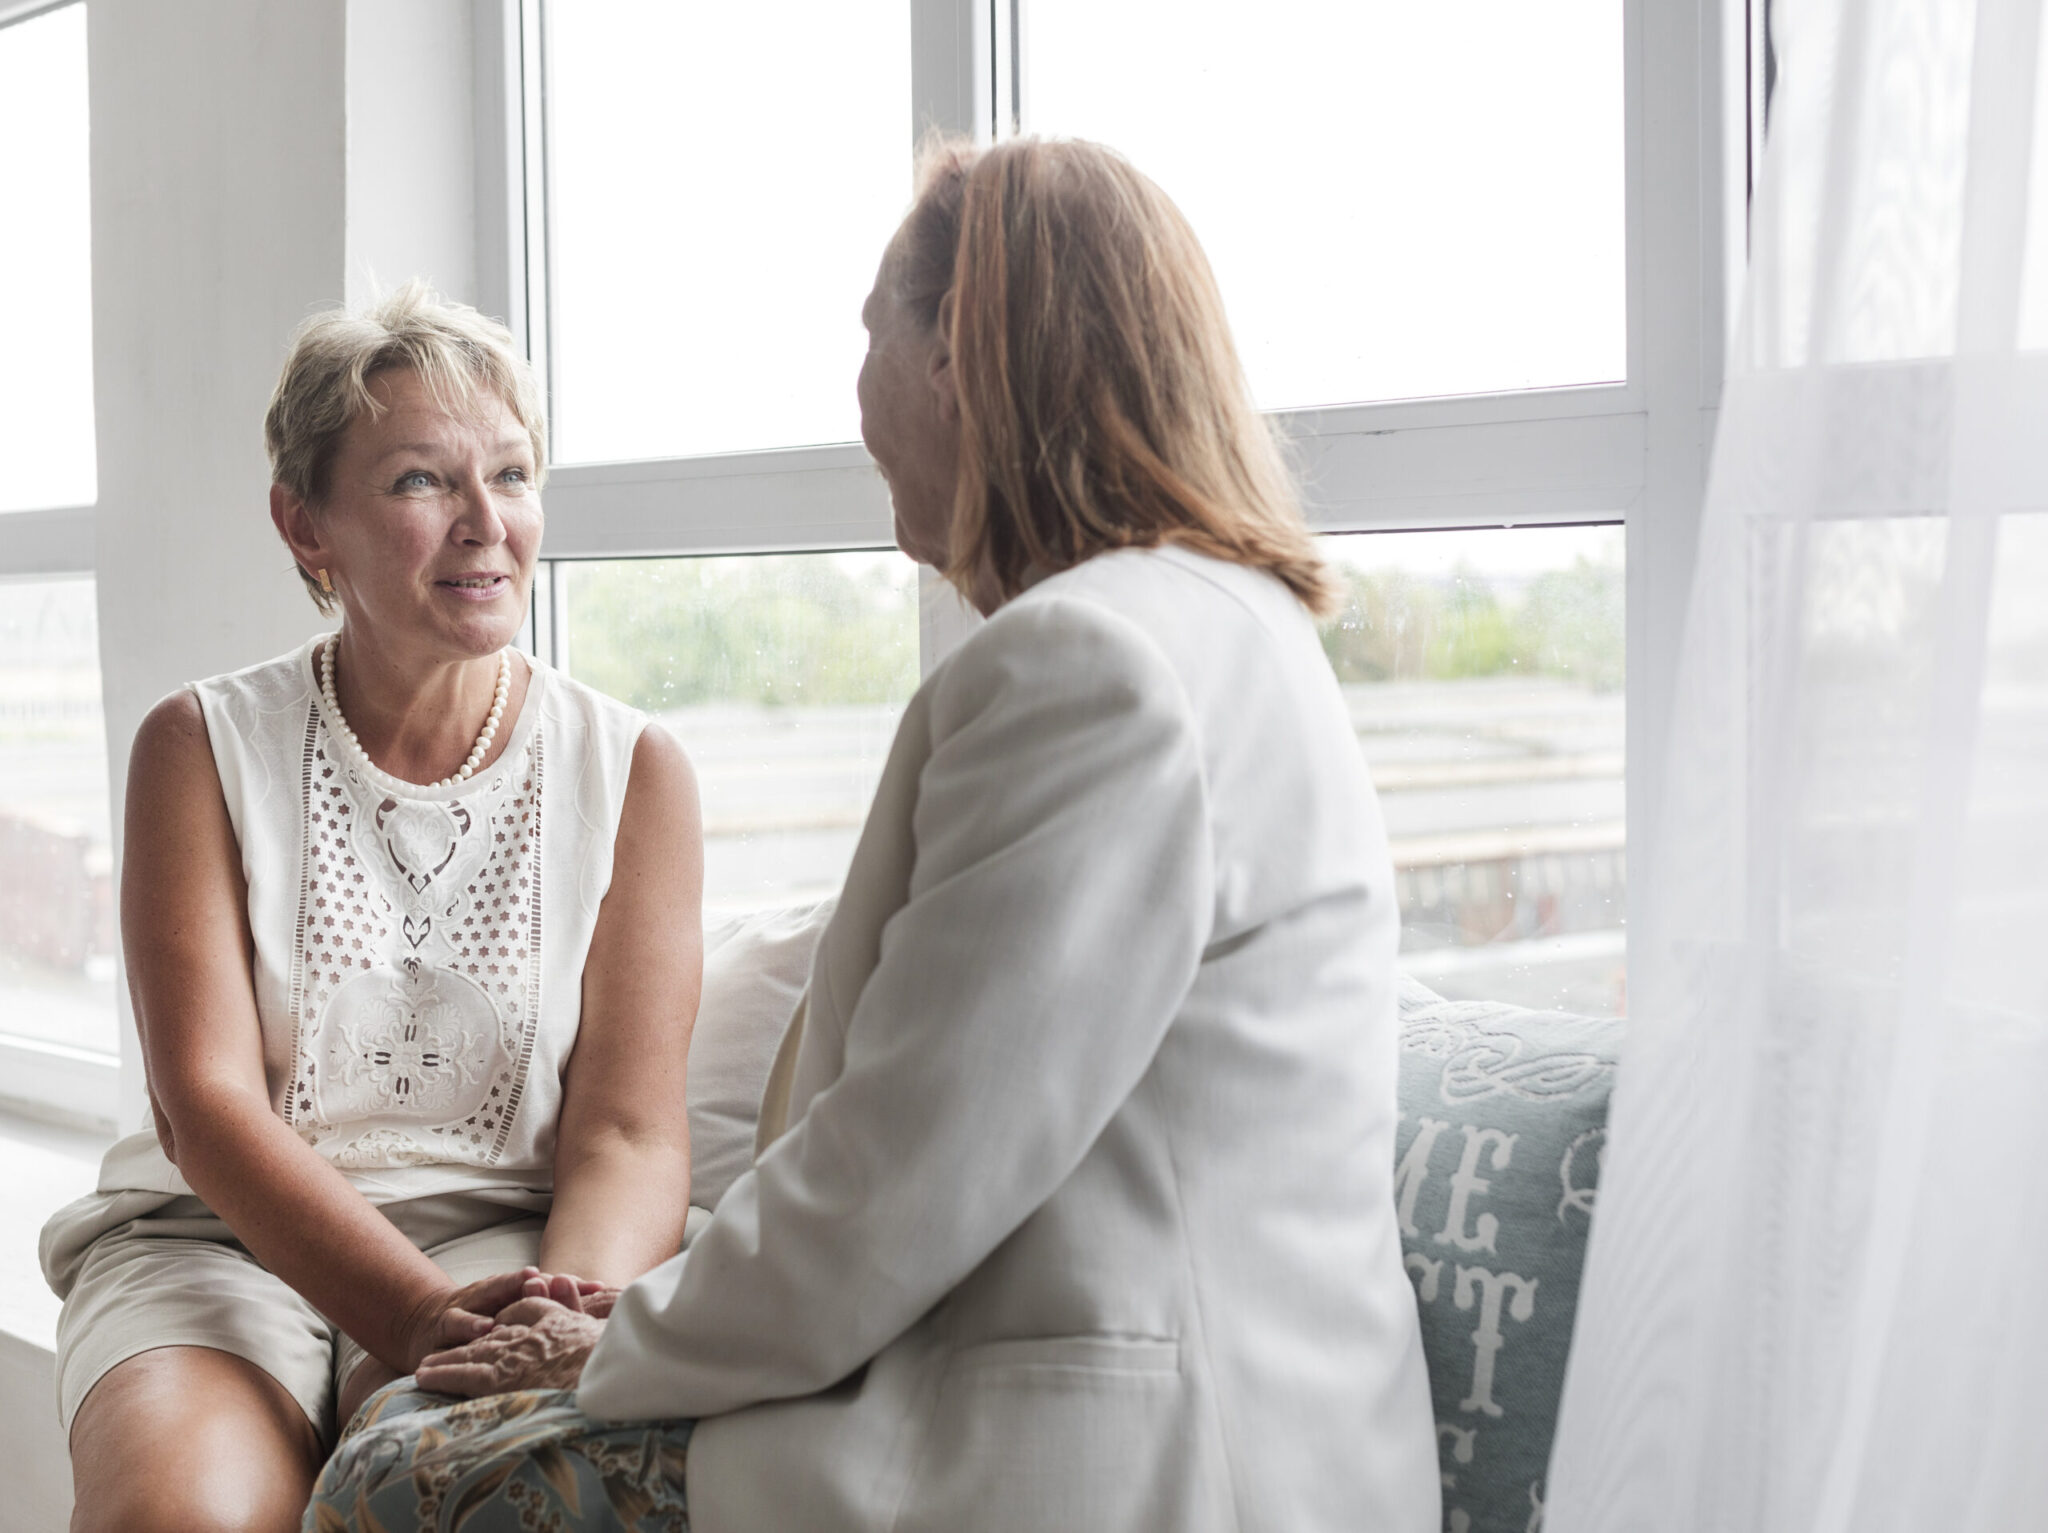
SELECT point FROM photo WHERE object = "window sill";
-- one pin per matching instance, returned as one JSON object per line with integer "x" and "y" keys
{"x": 46, "y": 1167}
{"x": 57, "y": 1083}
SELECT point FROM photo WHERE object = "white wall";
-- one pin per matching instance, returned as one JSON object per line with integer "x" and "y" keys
{"x": 411, "y": 147}
{"x": 37, "y": 1497}
{"x": 219, "y": 154}
{"x": 252, "y": 162}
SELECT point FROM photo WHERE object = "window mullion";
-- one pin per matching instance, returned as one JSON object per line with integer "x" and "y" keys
{"x": 501, "y": 166}
{"x": 1676, "y": 88}
{"x": 1482, "y": 474}
{"x": 1006, "y": 68}
{"x": 536, "y": 232}
{"x": 952, "y": 67}
{"x": 962, "y": 80}
{"x": 556, "y": 598}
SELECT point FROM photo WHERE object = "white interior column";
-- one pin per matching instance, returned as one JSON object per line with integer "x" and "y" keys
{"x": 252, "y": 163}
{"x": 219, "y": 154}
{"x": 412, "y": 179}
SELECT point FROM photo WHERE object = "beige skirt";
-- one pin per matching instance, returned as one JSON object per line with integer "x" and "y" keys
{"x": 138, "y": 1271}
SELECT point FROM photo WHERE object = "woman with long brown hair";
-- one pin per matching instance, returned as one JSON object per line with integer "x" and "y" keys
{"x": 1075, "y": 1208}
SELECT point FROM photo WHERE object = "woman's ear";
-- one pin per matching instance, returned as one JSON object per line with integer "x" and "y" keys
{"x": 945, "y": 387}
{"x": 945, "y": 384}
{"x": 296, "y": 524}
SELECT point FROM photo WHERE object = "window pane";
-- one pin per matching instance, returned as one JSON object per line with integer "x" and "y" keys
{"x": 722, "y": 181}
{"x": 46, "y": 442}
{"x": 1484, "y": 674}
{"x": 56, "y": 890}
{"x": 1398, "y": 199}
{"x": 782, "y": 675}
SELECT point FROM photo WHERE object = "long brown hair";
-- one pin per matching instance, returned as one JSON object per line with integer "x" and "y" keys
{"x": 1102, "y": 403}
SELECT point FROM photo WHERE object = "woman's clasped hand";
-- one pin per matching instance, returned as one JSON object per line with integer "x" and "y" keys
{"x": 538, "y": 1338}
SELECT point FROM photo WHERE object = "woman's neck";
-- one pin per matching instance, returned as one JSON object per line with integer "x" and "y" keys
{"x": 417, "y": 719}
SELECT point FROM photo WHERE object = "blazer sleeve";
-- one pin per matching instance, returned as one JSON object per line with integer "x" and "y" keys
{"x": 1058, "y": 908}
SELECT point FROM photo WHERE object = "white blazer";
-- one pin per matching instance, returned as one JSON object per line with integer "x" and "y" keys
{"x": 1084, "y": 1219}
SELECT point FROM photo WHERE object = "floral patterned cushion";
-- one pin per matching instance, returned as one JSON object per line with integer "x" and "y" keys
{"x": 527, "y": 1461}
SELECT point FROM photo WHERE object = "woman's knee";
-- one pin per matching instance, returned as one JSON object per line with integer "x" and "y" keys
{"x": 152, "y": 1508}
{"x": 193, "y": 1496}
{"x": 185, "y": 1438}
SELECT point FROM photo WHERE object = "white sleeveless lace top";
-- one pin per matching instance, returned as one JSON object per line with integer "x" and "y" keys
{"x": 419, "y": 955}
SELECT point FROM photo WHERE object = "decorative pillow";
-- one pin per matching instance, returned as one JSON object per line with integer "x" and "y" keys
{"x": 755, "y": 969}
{"x": 1503, "y": 1123}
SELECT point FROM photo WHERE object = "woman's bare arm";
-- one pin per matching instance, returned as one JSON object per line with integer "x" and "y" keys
{"x": 622, "y": 1155}
{"x": 185, "y": 933}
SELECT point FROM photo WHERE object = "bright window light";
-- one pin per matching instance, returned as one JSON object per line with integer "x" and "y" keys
{"x": 1398, "y": 199}
{"x": 46, "y": 431}
{"x": 1484, "y": 672}
{"x": 56, "y": 889}
{"x": 783, "y": 675}
{"x": 722, "y": 181}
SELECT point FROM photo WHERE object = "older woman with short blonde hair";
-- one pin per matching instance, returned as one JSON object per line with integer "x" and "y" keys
{"x": 1075, "y": 1206}
{"x": 411, "y": 925}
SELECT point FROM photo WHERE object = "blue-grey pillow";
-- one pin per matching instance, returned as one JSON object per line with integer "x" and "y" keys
{"x": 1503, "y": 1123}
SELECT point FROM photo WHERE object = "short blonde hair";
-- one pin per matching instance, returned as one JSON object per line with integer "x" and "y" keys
{"x": 457, "y": 353}
{"x": 1102, "y": 403}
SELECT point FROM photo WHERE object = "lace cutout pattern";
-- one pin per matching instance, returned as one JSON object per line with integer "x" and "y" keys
{"x": 416, "y": 965}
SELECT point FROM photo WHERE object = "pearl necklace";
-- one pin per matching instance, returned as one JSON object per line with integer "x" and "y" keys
{"x": 377, "y": 774}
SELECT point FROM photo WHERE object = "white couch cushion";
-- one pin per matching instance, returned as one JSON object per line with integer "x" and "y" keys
{"x": 755, "y": 968}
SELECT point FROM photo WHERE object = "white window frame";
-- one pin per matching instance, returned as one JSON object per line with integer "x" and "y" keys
{"x": 45, "y": 1079}
{"x": 1635, "y": 452}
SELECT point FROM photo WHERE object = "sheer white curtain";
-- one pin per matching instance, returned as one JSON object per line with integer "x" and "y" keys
{"x": 1817, "y": 1294}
